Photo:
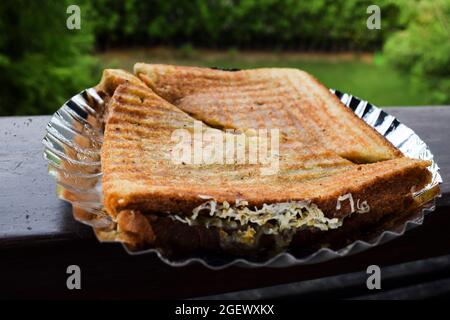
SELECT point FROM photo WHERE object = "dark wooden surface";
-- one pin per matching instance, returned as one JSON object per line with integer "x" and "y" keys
{"x": 29, "y": 208}
{"x": 39, "y": 238}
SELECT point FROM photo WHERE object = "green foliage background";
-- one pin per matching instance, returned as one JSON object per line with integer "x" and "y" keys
{"x": 42, "y": 63}
{"x": 312, "y": 25}
{"x": 423, "y": 48}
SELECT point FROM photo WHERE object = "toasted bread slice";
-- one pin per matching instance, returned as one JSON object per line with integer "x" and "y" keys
{"x": 289, "y": 99}
{"x": 143, "y": 187}
{"x": 112, "y": 78}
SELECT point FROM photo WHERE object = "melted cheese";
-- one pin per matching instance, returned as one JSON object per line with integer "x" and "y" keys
{"x": 272, "y": 219}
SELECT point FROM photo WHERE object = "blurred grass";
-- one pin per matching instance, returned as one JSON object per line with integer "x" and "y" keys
{"x": 363, "y": 75}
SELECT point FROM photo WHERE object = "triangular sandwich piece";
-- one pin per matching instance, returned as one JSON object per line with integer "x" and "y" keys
{"x": 289, "y": 99}
{"x": 181, "y": 206}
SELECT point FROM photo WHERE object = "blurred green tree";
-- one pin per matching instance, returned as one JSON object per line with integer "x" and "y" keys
{"x": 316, "y": 25}
{"x": 422, "y": 50}
{"x": 42, "y": 62}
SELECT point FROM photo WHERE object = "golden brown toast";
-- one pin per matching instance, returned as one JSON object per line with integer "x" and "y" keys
{"x": 289, "y": 99}
{"x": 144, "y": 190}
{"x": 112, "y": 78}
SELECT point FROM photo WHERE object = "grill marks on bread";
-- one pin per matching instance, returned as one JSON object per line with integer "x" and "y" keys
{"x": 286, "y": 98}
{"x": 139, "y": 173}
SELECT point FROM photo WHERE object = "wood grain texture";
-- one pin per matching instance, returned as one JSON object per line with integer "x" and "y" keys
{"x": 29, "y": 208}
{"x": 39, "y": 238}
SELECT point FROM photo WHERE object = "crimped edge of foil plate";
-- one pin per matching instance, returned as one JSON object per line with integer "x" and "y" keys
{"x": 72, "y": 148}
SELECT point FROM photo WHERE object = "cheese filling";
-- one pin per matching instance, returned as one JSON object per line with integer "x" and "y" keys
{"x": 243, "y": 224}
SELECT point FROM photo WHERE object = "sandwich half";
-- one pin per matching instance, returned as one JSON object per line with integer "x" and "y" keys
{"x": 289, "y": 99}
{"x": 181, "y": 207}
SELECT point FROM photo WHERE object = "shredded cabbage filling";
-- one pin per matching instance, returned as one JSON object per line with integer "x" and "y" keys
{"x": 240, "y": 223}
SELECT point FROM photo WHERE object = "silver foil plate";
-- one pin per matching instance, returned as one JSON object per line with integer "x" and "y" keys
{"x": 73, "y": 142}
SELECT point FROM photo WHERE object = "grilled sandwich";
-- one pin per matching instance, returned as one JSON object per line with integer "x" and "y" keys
{"x": 182, "y": 207}
{"x": 287, "y": 98}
